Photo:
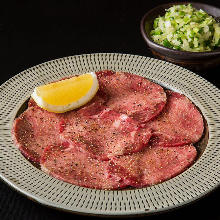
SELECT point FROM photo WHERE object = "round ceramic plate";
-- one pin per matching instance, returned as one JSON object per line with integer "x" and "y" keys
{"x": 195, "y": 182}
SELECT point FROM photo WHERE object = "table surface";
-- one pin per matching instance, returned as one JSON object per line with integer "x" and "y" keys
{"x": 35, "y": 32}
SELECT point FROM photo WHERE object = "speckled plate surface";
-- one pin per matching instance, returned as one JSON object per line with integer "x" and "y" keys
{"x": 192, "y": 184}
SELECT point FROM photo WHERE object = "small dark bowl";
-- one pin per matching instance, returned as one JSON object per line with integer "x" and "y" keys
{"x": 191, "y": 60}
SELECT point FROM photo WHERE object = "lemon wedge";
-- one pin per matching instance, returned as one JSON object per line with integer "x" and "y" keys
{"x": 67, "y": 94}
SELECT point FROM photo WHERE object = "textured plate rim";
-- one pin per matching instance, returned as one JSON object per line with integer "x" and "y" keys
{"x": 4, "y": 126}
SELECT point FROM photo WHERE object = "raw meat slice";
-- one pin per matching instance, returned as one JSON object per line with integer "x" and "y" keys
{"x": 95, "y": 106}
{"x": 31, "y": 103}
{"x": 70, "y": 164}
{"x": 133, "y": 95}
{"x": 106, "y": 134}
{"x": 154, "y": 164}
{"x": 179, "y": 123}
{"x": 35, "y": 129}
{"x": 161, "y": 163}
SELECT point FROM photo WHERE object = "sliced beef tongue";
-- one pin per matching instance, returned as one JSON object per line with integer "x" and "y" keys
{"x": 153, "y": 165}
{"x": 105, "y": 134}
{"x": 133, "y": 95}
{"x": 35, "y": 129}
{"x": 70, "y": 164}
{"x": 32, "y": 103}
{"x": 179, "y": 123}
{"x": 150, "y": 166}
{"x": 93, "y": 107}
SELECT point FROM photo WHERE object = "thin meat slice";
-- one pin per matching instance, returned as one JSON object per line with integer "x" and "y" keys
{"x": 70, "y": 164}
{"x": 161, "y": 164}
{"x": 106, "y": 134}
{"x": 128, "y": 168}
{"x": 179, "y": 123}
{"x": 154, "y": 164}
{"x": 32, "y": 103}
{"x": 35, "y": 129}
{"x": 131, "y": 94}
{"x": 93, "y": 107}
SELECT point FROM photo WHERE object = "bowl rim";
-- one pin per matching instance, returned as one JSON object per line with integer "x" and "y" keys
{"x": 153, "y": 45}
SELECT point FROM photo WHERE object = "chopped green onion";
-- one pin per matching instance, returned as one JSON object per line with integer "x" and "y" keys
{"x": 166, "y": 43}
{"x": 186, "y": 28}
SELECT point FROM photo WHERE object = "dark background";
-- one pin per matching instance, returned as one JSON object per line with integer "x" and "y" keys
{"x": 32, "y": 32}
